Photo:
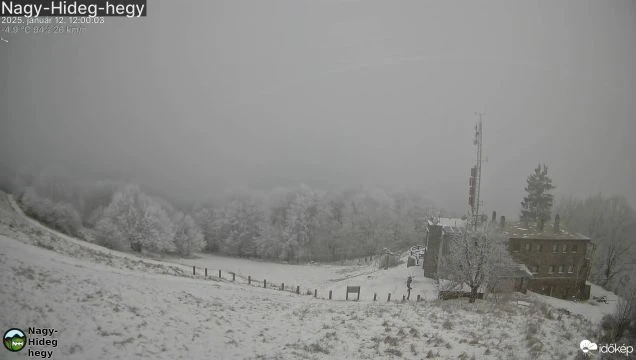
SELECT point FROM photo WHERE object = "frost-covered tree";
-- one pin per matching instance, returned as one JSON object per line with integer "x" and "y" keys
{"x": 269, "y": 243}
{"x": 120, "y": 220}
{"x": 96, "y": 198}
{"x": 66, "y": 218}
{"x": 333, "y": 241}
{"x": 188, "y": 237}
{"x": 110, "y": 234}
{"x": 204, "y": 217}
{"x": 537, "y": 204}
{"x": 59, "y": 215}
{"x": 611, "y": 223}
{"x": 302, "y": 221}
{"x": 372, "y": 221}
{"x": 156, "y": 230}
{"x": 239, "y": 225}
{"x": 409, "y": 220}
{"x": 474, "y": 258}
{"x": 136, "y": 220}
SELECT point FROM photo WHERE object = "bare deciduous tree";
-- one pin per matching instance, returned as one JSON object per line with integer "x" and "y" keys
{"x": 616, "y": 325}
{"x": 611, "y": 224}
{"x": 474, "y": 258}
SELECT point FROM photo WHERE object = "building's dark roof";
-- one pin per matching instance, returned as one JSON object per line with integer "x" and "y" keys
{"x": 518, "y": 231}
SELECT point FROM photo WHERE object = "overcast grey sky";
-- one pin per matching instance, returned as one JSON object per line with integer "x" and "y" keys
{"x": 202, "y": 96}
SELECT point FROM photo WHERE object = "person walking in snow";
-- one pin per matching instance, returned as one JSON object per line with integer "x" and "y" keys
{"x": 408, "y": 287}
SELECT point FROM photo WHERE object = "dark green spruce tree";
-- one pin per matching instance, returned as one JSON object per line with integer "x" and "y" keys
{"x": 537, "y": 204}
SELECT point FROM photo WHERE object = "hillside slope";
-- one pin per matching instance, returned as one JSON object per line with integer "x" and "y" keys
{"x": 113, "y": 305}
{"x": 106, "y": 313}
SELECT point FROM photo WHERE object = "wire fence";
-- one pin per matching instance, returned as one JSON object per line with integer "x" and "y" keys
{"x": 233, "y": 277}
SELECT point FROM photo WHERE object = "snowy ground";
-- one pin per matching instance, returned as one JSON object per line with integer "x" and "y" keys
{"x": 106, "y": 313}
{"x": 371, "y": 279}
{"x": 111, "y": 305}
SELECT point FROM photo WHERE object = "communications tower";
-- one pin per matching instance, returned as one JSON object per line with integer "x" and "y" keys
{"x": 475, "y": 177}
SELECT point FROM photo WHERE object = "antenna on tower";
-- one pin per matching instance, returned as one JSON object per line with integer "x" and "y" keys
{"x": 475, "y": 175}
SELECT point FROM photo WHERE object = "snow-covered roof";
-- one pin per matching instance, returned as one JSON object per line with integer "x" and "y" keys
{"x": 452, "y": 222}
{"x": 450, "y": 226}
{"x": 519, "y": 231}
{"x": 514, "y": 271}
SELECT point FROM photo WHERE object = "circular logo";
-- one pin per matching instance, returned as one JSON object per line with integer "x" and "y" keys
{"x": 14, "y": 339}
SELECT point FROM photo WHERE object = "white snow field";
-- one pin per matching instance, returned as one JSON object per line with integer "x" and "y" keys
{"x": 111, "y": 305}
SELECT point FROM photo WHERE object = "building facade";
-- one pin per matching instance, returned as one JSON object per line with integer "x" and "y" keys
{"x": 559, "y": 261}
{"x": 550, "y": 261}
{"x": 438, "y": 233}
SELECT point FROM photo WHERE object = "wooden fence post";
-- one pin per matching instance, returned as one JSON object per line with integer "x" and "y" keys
{"x": 233, "y": 277}
{"x": 329, "y": 294}
{"x": 282, "y": 286}
{"x": 315, "y": 292}
{"x": 297, "y": 289}
{"x": 249, "y": 279}
{"x": 194, "y": 270}
{"x": 388, "y": 298}
{"x": 206, "y": 272}
{"x": 264, "y": 283}
{"x": 219, "y": 273}
{"x": 375, "y": 296}
{"x": 403, "y": 298}
{"x": 418, "y": 297}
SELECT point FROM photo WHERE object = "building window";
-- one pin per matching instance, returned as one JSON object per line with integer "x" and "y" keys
{"x": 560, "y": 269}
{"x": 540, "y": 248}
{"x": 516, "y": 247}
{"x": 565, "y": 248}
{"x": 551, "y": 269}
{"x": 528, "y": 247}
{"x": 573, "y": 248}
{"x": 555, "y": 248}
{"x": 570, "y": 269}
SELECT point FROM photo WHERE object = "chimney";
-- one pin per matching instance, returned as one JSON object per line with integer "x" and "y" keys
{"x": 557, "y": 224}
{"x": 502, "y": 222}
{"x": 494, "y": 216}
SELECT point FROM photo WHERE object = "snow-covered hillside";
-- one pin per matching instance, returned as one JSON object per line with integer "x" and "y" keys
{"x": 111, "y": 305}
{"x": 106, "y": 313}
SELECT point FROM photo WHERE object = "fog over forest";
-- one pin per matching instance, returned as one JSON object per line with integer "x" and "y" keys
{"x": 298, "y": 179}
{"x": 193, "y": 101}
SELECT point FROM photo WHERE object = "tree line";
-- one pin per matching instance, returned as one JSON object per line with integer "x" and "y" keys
{"x": 610, "y": 222}
{"x": 288, "y": 224}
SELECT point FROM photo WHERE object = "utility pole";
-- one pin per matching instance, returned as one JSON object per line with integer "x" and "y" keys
{"x": 475, "y": 175}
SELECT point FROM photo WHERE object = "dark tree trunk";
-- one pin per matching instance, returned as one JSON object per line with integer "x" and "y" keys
{"x": 473, "y": 294}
